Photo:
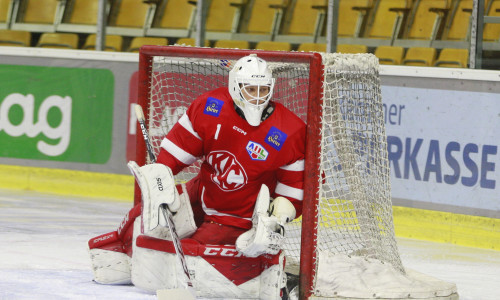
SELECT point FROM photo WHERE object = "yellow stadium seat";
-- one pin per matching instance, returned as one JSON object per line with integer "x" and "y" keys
{"x": 232, "y": 44}
{"x": 305, "y": 18}
{"x": 453, "y": 58}
{"x": 224, "y": 15}
{"x": 420, "y": 56}
{"x": 80, "y": 16}
{"x": 388, "y": 19}
{"x": 58, "y": 40}
{"x": 263, "y": 17}
{"x": 175, "y": 14}
{"x": 273, "y": 46}
{"x": 491, "y": 32}
{"x": 39, "y": 11}
{"x": 82, "y": 12}
{"x": 389, "y": 55}
{"x": 190, "y": 42}
{"x": 459, "y": 21}
{"x": 427, "y": 20}
{"x": 352, "y": 17}
{"x": 139, "y": 41}
{"x": 4, "y": 10}
{"x": 113, "y": 43}
{"x": 15, "y": 38}
{"x": 312, "y": 47}
{"x": 351, "y": 49}
{"x": 129, "y": 13}
{"x": 308, "y": 18}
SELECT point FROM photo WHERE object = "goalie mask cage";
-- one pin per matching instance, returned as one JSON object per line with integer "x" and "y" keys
{"x": 344, "y": 243}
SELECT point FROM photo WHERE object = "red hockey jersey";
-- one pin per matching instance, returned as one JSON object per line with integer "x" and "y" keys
{"x": 237, "y": 157}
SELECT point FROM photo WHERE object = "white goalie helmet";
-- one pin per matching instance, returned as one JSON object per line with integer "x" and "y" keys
{"x": 251, "y": 86}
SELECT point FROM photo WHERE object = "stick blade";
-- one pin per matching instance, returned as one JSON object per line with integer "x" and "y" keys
{"x": 170, "y": 294}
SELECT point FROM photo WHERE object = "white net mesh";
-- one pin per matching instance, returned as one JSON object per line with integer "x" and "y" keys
{"x": 354, "y": 208}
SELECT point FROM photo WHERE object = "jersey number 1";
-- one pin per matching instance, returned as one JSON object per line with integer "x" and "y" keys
{"x": 217, "y": 132}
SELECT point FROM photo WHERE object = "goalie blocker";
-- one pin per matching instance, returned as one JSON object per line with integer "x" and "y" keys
{"x": 141, "y": 252}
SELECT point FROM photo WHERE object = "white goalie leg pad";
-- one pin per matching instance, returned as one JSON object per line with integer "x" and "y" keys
{"x": 210, "y": 283}
{"x": 266, "y": 235}
{"x": 110, "y": 263}
{"x": 153, "y": 270}
{"x": 273, "y": 280}
{"x": 217, "y": 271}
{"x": 157, "y": 188}
{"x": 110, "y": 267}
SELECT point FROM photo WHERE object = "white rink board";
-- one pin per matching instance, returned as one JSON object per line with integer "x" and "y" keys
{"x": 443, "y": 146}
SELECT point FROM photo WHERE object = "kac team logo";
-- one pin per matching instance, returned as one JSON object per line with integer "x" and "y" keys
{"x": 256, "y": 151}
{"x": 229, "y": 175}
{"x": 276, "y": 138}
{"x": 213, "y": 106}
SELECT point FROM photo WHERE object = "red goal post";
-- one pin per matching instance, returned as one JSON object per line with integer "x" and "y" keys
{"x": 347, "y": 212}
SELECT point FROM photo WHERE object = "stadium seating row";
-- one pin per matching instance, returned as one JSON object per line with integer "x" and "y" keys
{"x": 395, "y": 55}
{"x": 380, "y": 21}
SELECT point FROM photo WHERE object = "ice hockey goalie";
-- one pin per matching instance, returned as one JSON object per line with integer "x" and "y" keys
{"x": 231, "y": 216}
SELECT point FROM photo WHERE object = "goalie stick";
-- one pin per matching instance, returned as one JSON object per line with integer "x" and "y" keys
{"x": 181, "y": 259}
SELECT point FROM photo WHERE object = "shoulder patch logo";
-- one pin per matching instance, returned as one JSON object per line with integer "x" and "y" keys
{"x": 256, "y": 151}
{"x": 275, "y": 138}
{"x": 213, "y": 106}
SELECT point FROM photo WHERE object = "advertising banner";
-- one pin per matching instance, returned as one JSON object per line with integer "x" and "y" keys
{"x": 56, "y": 113}
{"x": 443, "y": 146}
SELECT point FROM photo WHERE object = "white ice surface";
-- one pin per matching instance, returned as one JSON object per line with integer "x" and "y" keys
{"x": 43, "y": 252}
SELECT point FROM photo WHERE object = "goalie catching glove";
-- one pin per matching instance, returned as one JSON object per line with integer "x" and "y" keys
{"x": 268, "y": 220}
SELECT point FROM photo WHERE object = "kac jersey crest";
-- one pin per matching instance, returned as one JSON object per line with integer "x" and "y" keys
{"x": 229, "y": 174}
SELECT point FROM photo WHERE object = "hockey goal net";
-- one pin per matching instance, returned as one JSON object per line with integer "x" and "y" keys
{"x": 345, "y": 236}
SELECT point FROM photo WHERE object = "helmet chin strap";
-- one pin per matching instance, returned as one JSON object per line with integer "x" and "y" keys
{"x": 268, "y": 111}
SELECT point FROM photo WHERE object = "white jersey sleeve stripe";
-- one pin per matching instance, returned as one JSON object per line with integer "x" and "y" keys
{"x": 186, "y": 123}
{"x": 213, "y": 212}
{"x": 177, "y": 152}
{"x": 289, "y": 191}
{"x": 296, "y": 166}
